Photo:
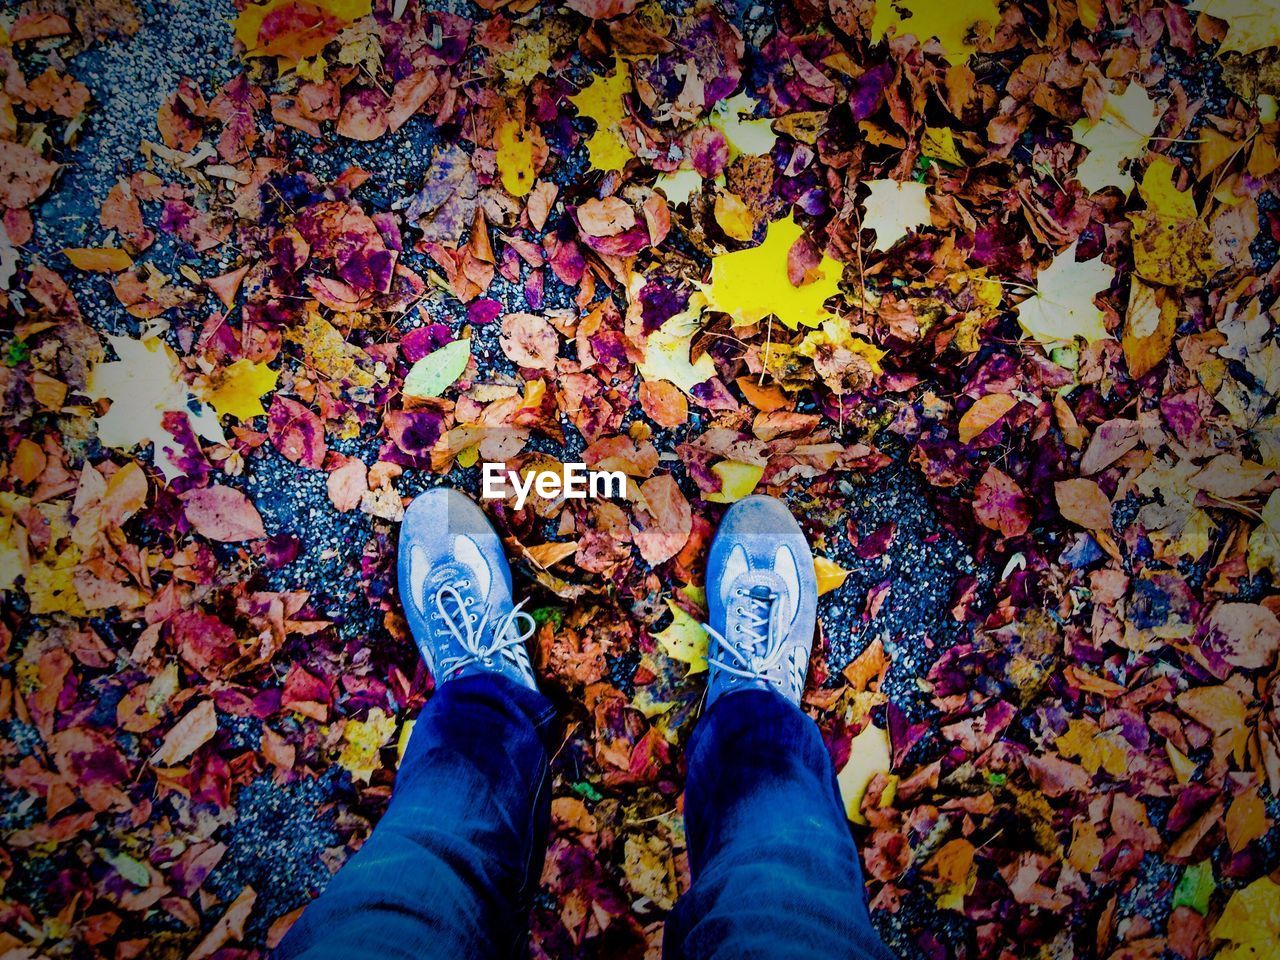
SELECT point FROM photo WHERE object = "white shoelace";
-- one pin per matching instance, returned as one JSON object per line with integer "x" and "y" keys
{"x": 468, "y": 629}
{"x": 760, "y": 626}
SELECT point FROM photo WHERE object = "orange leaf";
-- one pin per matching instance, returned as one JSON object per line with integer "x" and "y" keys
{"x": 1083, "y": 502}
{"x": 99, "y": 259}
{"x": 867, "y": 666}
{"x": 986, "y": 411}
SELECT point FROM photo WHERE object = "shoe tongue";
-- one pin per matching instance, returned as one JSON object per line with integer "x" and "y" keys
{"x": 760, "y": 592}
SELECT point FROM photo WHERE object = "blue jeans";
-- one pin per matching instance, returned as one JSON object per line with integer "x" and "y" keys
{"x": 450, "y": 870}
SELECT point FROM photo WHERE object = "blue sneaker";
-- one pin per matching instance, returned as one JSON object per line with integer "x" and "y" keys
{"x": 455, "y": 585}
{"x": 762, "y": 600}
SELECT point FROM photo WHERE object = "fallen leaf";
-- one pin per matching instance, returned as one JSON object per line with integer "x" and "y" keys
{"x": 529, "y": 341}
{"x": 1082, "y": 502}
{"x": 684, "y": 639}
{"x": 737, "y": 480}
{"x": 99, "y": 259}
{"x": 751, "y": 284}
{"x": 868, "y": 755}
{"x": 438, "y": 370}
{"x": 829, "y": 573}
{"x": 985, "y": 412}
{"x": 1062, "y": 308}
{"x": 236, "y": 390}
{"x": 196, "y": 728}
{"x": 223, "y": 514}
{"x": 1119, "y": 135}
{"x": 362, "y": 743}
{"x": 894, "y": 208}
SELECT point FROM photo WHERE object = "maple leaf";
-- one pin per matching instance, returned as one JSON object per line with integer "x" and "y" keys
{"x": 1250, "y": 922}
{"x": 751, "y": 284}
{"x": 1251, "y": 24}
{"x": 1118, "y": 135}
{"x": 952, "y": 23}
{"x": 363, "y": 740}
{"x": 868, "y": 755}
{"x": 143, "y": 385}
{"x": 745, "y": 132}
{"x": 684, "y": 639}
{"x": 601, "y": 101}
{"x": 236, "y": 390}
{"x": 1171, "y": 244}
{"x": 893, "y": 208}
{"x": 667, "y": 349}
{"x": 1063, "y": 308}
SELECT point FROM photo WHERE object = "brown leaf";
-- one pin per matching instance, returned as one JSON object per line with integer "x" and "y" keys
{"x": 665, "y": 519}
{"x": 1082, "y": 502}
{"x": 223, "y": 513}
{"x": 985, "y": 412}
{"x": 1245, "y": 635}
{"x": 188, "y": 735}
{"x": 529, "y": 341}
{"x": 999, "y": 504}
{"x": 347, "y": 485}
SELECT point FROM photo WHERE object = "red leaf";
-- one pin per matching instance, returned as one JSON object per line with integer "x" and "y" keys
{"x": 223, "y": 513}
{"x": 296, "y": 431}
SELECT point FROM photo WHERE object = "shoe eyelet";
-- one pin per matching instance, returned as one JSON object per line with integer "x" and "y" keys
{"x": 737, "y": 628}
{"x": 488, "y": 661}
{"x": 474, "y": 618}
{"x": 467, "y": 601}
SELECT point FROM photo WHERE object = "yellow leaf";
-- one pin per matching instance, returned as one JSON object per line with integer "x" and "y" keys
{"x": 1159, "y": 193}
{"x": 1119, "y": 135}
{"x": 144, "y": 384}
{"x": 745, "y": 132}
{"x": 737, "y": 480}
{"x": 361, "y": 742}
{"x": 1096, "y": 750}
{"x": 1184, "y": 768}
{"x": 1251, "y": 921}
{"x": 1172, "y": 246}
{"x": 49, "y": 584}
{"x": 751, "y": 284}
{"x": 1149, "y": 326}
{"x": 515, "y": 159}
{"x": 684, "y": 639}
{"x": 601, "y": 101}
{"x": 1063, "y": 306}
{"x": 1251, "y": 24}
{"x": 680, "y": 185}
{"x": 894, "y": 208}
{"x": 985, "y": 411}
{"x": 666, "y": 353}
{"x": 951, "y": 22}
{"x": 235, "y": 390}
{"x": 829, "y": 573}
{"x": 99, "y": 259}
{"x": 734, "y": 216}
{"x": 940, "y": 143}
{"x": 868, "y": 755}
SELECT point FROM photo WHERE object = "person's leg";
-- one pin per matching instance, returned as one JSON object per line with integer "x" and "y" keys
{"x": 450, "y": 869}
{"x": 775, "y": 869}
